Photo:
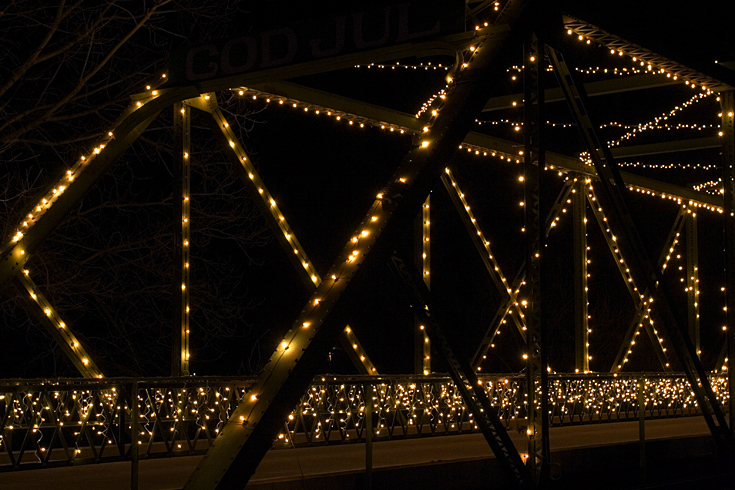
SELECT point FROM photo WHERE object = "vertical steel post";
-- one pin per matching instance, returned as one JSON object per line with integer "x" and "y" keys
{"x": 692, "y": 282}
{"x": 642, "y": 422}
{"x": 581, "y": 315}
{"x": 134, "y": 433}
{"x": 182, "y": 239}
{"x": 368, "y": 390}
{"x": 422, "y": 247}
{"x": 728, "y": 181}
{"x": 537, "y": 431}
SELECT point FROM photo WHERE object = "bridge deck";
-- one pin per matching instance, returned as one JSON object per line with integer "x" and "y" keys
{"x": 340, "y": 466}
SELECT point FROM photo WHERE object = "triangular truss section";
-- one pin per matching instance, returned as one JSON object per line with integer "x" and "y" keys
{"x": 250, "y": 431}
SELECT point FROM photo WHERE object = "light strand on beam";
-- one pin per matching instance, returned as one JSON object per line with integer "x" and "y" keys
{"x": 426, "y": 275}
{"x": 265, "y": 195}
{"x": 442, "y": 94}
{"x": 654, "y": 124}
{"x": 354, "y": 120}
{"x": 485, "y": 242}
{"x": 479, "y": 150}
{"x": 667, "y": 127}
{"x": 677, "y": 199}
{"x": 280, "y": 220}
{"x": 72, "y": 347}
{"x": 185, "y": 124}
{"x": 621, "y": 72}
{"x": 653, "y": 62}
{"x": 672, "y": 166}
{"x": 518, "y": 125}
{"x": 666, "y": 255}
{"x": 311, "y": 318}
{"x": 359, "y": 350}
{"x": 504, "y": 287}
{"x": 45, "y": 203}
{"x": 638, "y": 296}
{"x": 713, "y": 187}
{"x": 584, "y": 157}
{"x": 392, "y": 66}
{"x": 559, "y": 208}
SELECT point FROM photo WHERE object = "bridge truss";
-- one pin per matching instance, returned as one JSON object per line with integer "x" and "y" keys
{"x": 442, "y": 130}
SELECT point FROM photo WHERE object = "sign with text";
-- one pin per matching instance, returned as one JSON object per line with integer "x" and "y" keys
{"x": 370, "y": 28}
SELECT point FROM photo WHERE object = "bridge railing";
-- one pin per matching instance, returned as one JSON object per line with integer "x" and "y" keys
{"x": 46, "y": 423}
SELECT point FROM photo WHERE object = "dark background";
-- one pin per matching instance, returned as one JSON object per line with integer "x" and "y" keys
{"x": 324, "y": 175}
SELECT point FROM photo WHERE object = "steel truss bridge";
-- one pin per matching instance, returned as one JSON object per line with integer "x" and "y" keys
{"x": 235, "y": 420}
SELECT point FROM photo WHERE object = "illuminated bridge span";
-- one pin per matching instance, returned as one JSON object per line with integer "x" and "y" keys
{"x": 564, "y": 185}
{"x": 50, "y": 423}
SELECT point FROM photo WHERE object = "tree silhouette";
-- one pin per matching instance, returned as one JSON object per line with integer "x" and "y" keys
{"x": 67, "y": 70}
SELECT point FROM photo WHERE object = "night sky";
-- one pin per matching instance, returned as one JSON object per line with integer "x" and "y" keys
{"x": 324, "y": 175}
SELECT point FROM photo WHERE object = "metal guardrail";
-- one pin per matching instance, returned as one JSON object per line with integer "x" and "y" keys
{"x": 47, "y": 423}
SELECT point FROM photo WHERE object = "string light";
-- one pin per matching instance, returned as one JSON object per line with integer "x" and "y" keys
{"x": 60, "y": 330}
{"x": 656, "y": 122}
{"x": 642, "y": 302}
{"x": 184, "y": 115}
{"x": 332, "y": 411}
{"x": 426, "y": 274}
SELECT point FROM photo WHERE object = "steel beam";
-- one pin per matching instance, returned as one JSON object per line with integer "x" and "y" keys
{"x": 274, "y": 217}
{"x": 357, "y": 353}
{"x": 372, "y": 114}
{"x": 536, "y": 344}
{"x": 511, "y": 301}
{"x": 712, "y": 78}
{"x": 482, "y": 245}
{"x": 422, "y": 251}
{"x": 667, "y": 147}
{"x": 581, "y": 303}
{"x": 181, "y": 238}
{"x": 727, "y": 99}
{"x": 692, "y": 279}
{"x": 58, "y": 329}
{"x": 235, "y": 454}
{"x": 471, "y": 389}
{"x": 641, "y": 316}
{"x": 262, "y": 197}
{"x": 603, "y": 87}
{"x": 48, "y": 212}
{"x": 617, "y": 198}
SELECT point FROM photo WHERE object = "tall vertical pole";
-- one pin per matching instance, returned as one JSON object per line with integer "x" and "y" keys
{"x": 134, "y": 435}
{"x": 537, "y": 431}
{"x": 642, "y": 424}
{"x": 728, "y": 181}
{"x": 368, "y": 390}
{"x": 581, "y": 315}
{"x": 182, "y": 239}
{"x": 692, "y": 251}
{"x": 422, "y": 246}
